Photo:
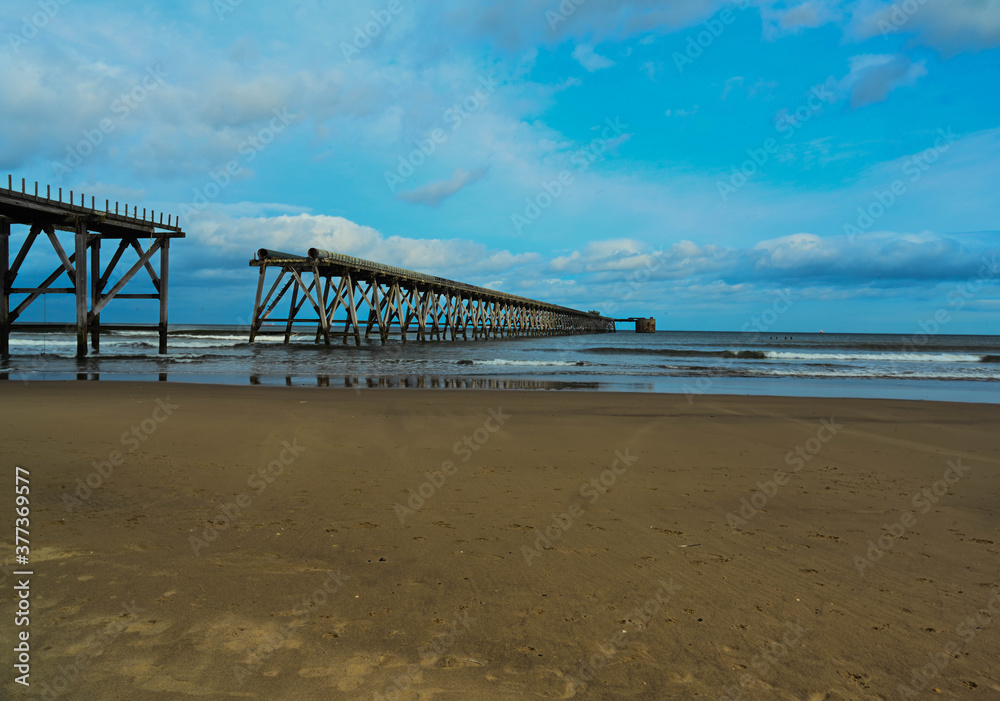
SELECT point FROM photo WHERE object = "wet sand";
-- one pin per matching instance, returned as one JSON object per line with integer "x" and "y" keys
{"x": 298, "y": 543}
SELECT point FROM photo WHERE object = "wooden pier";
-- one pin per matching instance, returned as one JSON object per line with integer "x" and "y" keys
{"x": 47, "y": 213}
{"x": 390, "y": 301}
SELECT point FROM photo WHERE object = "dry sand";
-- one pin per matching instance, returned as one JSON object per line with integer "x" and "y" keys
{"x": 309, "y": 582}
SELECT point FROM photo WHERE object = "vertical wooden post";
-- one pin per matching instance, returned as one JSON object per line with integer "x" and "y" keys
{"x": 292, "y": 309}
{"x": 463, "y": 319}
{"x": 164, "y": 277}
{"x": 255, "y": 321}
{"x": 322, "y": 287}
{"x": 4, "y": 287}
{"x": 421, "y": 298}
{"x": 352, "y": 311}
{"x": 80, "y": 284}
{"x": 402, "y": 318}
{"x": 378, "y": 311}
{"x": 95, "y": 292}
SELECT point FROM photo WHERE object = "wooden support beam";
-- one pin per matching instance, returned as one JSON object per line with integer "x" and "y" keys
{"x": 334, "y": 305}
{"x": 4, "y": 287}
{"x": 80, "y": 238}
{"x": 149, "y": 268}
{"x": 307, "y": 291}
{"x": 95, "y": 292}
{"x": 449, "y": 315}
{"x": 34, "y": 293}
{"x": 255, "y": 319}
{"x": 396, "y": 304}
{"x": 122, "y": 245}
{"x": 67, "y": 266}
{"x": 162, "y": 286}
{"x": 352, "y": 310}
{"x": 367, "y": 296}
{"x": 143, "y": 260}
{"x": 293, "y": 309}
{"x": 320, "y": 331}
{"x": 430, "y": 311}
{"x": 274, "y": 302}
{"x": 380, "y": 303}
{"x": 459, "y": 316}
{"x": 321, "y": 292}
{"x": 25, "y": 247}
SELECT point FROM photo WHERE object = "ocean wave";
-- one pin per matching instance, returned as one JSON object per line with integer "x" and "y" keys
{"x": 526, "y": 363}
{"x": 679, "y": 352}
{"x": 815, "y": 356}
{"x": 886, "y": 357}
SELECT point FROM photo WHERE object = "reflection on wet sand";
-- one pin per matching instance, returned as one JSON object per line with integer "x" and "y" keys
{"x": 427, "y": 382}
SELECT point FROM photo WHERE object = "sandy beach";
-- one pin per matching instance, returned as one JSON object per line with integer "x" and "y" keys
{"x": 209, "y": 542}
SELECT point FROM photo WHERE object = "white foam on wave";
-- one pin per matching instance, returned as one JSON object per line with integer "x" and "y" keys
{"x": 970, "y": 373}
{"x": 884, "y": 357}
{"x": 531, "y": 363}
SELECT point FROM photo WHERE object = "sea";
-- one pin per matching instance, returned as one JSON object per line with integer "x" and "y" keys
{"x": 692, "y": 363}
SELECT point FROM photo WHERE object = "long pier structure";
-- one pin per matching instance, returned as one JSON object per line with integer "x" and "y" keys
{"x": 46, "y": 214}
{"x": 390, "y": 300}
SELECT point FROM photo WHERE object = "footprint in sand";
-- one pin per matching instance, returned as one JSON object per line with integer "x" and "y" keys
{"x": 350, "y": 675}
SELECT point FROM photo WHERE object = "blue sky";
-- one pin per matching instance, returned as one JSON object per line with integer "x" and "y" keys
{"x": 691, "y": 160}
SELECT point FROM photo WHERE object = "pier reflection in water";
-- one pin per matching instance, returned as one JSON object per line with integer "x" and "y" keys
{"x": 421, "y": 382}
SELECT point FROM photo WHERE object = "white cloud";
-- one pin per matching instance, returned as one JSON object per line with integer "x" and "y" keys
{"x": 949, "y": 26}
{"x": 780, "y": 20}
{"x": 584, "y": 54}
{"x": 433, "y": 194}
{"x": 802, "y": 259}
{"x": 230, "y": 239}
{"x": 651, "y": 68}
{"x": 874, "y": 76}
{"x": 731, "y": 84}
